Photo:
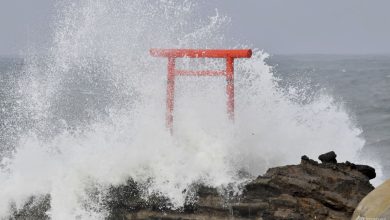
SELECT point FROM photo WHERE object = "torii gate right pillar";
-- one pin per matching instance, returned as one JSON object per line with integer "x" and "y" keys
{"x": 230, "y": 86}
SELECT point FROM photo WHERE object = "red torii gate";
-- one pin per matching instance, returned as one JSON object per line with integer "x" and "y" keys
{"x": 172, "y": 54}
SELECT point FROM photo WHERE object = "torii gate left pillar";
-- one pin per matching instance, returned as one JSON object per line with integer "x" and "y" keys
{"x": 172, "y": 54}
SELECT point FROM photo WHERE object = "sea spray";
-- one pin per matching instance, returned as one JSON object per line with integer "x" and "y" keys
{"x": 96, "y": 105}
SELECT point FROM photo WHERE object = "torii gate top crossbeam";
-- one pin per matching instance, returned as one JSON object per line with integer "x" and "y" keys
{"x": 196, "y": 53}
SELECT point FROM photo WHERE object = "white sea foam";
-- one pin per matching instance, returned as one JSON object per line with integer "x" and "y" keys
{"x": 114, "y": 128}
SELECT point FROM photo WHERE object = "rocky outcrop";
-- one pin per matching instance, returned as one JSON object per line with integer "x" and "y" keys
{"x": 309, "y": 190}
{"x": 329, "y": 157}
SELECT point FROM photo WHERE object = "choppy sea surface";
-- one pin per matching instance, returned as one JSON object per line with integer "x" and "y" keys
{"x": 360, "y": 82}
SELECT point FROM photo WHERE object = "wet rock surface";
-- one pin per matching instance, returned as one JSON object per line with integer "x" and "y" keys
{"x": 309, "y": 190}
{"x": 329, "y": 157}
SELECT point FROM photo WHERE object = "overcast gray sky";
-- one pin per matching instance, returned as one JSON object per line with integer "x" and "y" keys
{"x": 278, "y": 26}
{"x": 22, "y": 23}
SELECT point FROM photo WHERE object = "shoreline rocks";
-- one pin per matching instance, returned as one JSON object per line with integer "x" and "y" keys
{"x": 329, "y": 157}
{"x": 309, "y": 190}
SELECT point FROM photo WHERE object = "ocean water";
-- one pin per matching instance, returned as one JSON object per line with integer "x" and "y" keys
{"x": 361, "y": 82}
{"x": 88, "y": 111}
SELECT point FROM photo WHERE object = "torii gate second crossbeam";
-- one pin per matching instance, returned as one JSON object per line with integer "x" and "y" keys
{"x": 172, "y": 54}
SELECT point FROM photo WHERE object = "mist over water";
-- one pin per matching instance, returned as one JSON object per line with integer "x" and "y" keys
{"x": 91, "y": 113}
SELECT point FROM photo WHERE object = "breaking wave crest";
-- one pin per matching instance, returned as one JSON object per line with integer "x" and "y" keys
{"x": 95, "y": 105}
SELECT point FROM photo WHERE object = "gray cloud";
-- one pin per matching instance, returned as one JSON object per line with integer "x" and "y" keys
{"x": 310, "y": 26}
{"x": 278, "y": 26}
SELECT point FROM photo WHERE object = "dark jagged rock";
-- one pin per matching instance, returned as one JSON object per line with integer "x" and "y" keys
{"x": 305, "y": 191}
{"x": 329, "y": 157}
{"x": 309, "y": 190}
{"x": 366, "y": 170}
{"x": 306, "y": 159}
